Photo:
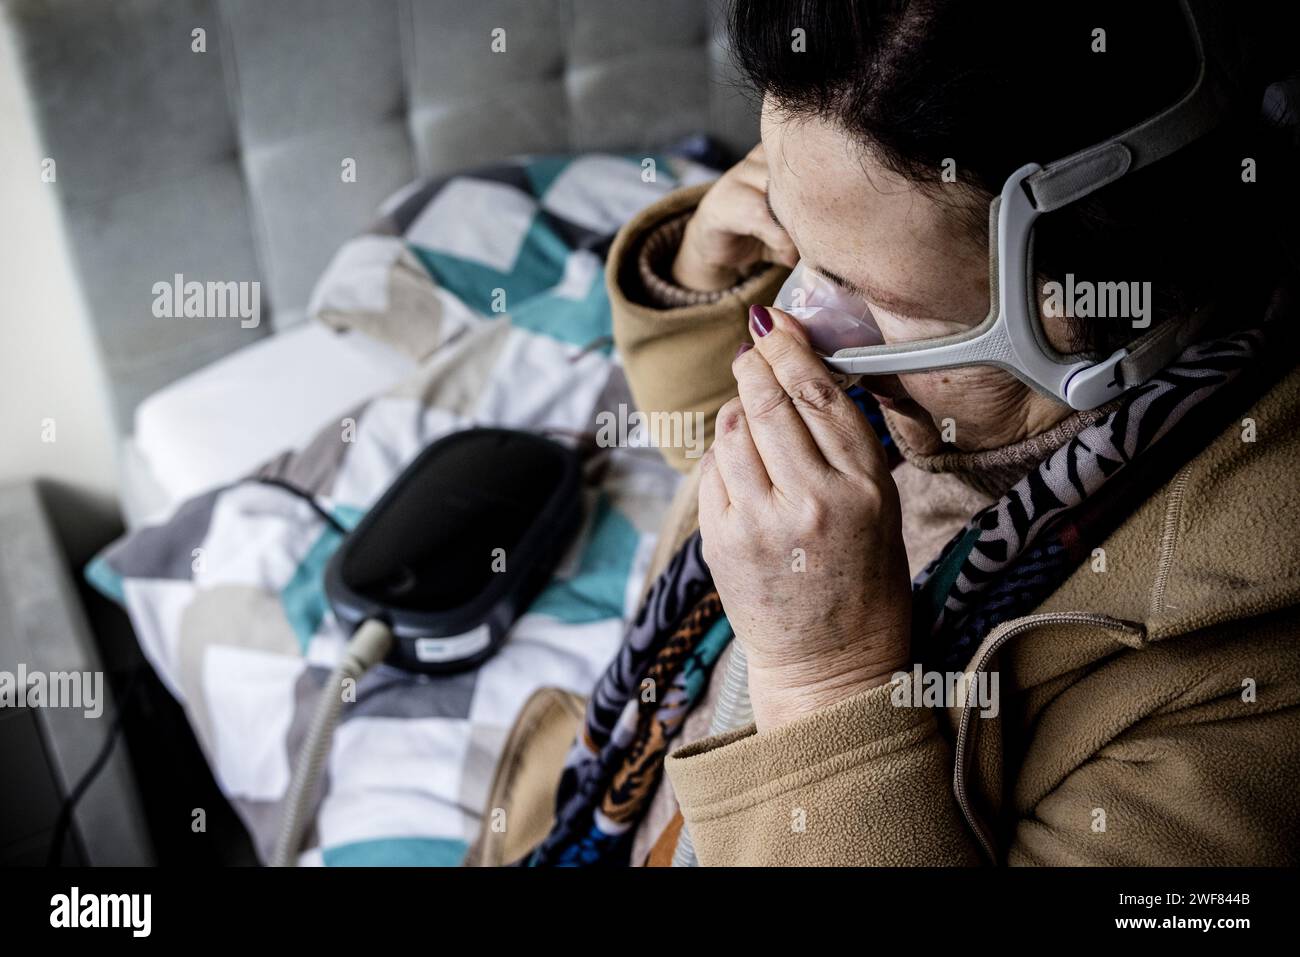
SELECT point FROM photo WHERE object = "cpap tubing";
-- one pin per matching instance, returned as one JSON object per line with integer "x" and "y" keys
{"x": 367, "y": 647}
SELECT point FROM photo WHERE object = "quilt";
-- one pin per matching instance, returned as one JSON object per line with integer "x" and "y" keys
{"x": 493, "y": 280}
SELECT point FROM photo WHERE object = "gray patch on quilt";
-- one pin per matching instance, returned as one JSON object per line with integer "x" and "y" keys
{"x": 579, "y": 237}
{"x": 655, "y": 478}
{"x": 614, "y": 393}
{"x": 508, "y": 174}
{"x": 384, "y": 226}
{"x": 388, "y": 692}
{"x": 237, "y": 616}
{"x": 314, "y": 468}
{"x": 405, "y": 213}
{"x": 399, "y": 219}
{"x": 166, "y": 551}
{"x": 384, "y": 692}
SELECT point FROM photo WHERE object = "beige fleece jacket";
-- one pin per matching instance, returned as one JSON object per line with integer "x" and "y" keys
{"x": 1149, "y": 714}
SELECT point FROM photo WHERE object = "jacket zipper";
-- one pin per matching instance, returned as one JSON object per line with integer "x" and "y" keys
{"x": 998, "y": 637}
{"x": 1169, "y": 537}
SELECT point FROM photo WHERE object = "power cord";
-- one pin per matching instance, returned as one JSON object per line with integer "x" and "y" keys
{"x": 64, "y": 821}
{"x": 303, "y": 494}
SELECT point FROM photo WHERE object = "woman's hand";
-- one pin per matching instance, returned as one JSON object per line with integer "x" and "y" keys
{"x": 801, "y": 529}
{"x": 731, "y": 230}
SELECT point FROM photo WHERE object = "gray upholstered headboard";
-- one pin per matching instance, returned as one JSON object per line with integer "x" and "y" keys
{"x": 226, "y": 164}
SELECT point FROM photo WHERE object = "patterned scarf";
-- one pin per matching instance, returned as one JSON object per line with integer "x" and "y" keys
{"x": 635, "y": 708}
{"x": 1006, "y": 560}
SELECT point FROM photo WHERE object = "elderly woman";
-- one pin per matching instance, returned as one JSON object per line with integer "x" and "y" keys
{"x": 999, "y": 628}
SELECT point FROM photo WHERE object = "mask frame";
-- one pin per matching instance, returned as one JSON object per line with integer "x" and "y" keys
{"x": 1011, "y": 336}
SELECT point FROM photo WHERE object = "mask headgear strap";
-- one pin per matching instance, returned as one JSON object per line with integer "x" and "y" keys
{"x": 1199, "y": 111}
{"x": 1010, "y": 337}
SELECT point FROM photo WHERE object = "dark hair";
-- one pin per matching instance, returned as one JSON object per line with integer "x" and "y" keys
{"x": 993, "y": 86}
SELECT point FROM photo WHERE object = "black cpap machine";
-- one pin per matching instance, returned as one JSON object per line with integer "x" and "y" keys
{"x": 437, "y": 571}
{"x": 459, "y": 546}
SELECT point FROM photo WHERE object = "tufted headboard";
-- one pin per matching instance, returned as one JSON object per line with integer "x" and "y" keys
{"x": 226, "y": 164}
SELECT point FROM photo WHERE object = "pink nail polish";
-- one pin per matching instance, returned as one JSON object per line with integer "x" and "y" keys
{"x": 760, "y": 320}
{"x": 744, "y": 347}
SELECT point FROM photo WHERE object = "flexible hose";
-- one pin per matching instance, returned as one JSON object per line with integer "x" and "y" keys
{"x": 366, "y": 649}
{"x": 733, "y": 711}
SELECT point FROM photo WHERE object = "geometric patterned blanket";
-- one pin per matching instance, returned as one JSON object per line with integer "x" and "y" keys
{"x": 493, "y": 281}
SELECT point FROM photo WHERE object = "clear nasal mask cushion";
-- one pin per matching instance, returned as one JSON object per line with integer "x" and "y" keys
{"x": 841, "y": 327}
{"x": 834, "y": 318}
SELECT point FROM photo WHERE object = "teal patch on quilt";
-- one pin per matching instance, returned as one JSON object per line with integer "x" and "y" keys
{"x": 579, "y": 322}
{"x": 597, "y": 589}
{"x": 100, "y": 575}
{"x": 303, "y": 599}
{"x": 662, "y": 167}
{"x": 538, "y": 266}
{"x": 542, "y": 171}
{"x": 397, "y": 852}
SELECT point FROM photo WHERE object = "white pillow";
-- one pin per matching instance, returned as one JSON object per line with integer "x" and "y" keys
{"x": 220, "y": 422}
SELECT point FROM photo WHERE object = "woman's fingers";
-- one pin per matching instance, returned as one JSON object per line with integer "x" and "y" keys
{"x": 836, "y": 426}
{"x": 752, "y": 175}
{"x": 777, "y": 245}
{"x": 753, "y": 168}
{"x": 738, "y": 462}
{"x": 751, "y": 182}
{"x": 780, "y": 436}
{"x": 786, "y": 255}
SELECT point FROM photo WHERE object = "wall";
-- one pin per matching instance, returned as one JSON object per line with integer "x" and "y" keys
{"x": 47, "y": 361}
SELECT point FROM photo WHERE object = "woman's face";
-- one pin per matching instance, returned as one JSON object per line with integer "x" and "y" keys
{"x": 908, "y": 253}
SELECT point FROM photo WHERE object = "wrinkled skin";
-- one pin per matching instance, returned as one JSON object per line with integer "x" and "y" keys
{"x": 795, "y": 469}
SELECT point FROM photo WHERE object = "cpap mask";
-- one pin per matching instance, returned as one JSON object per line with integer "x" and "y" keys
{"x": 841, "y": 327}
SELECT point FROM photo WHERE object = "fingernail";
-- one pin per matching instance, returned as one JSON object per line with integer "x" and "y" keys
{"x": 760, "y": 320}
{"x": 744, "y": 347}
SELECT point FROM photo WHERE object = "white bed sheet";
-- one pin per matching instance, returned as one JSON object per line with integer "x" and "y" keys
{"x": 224, "y": 420}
